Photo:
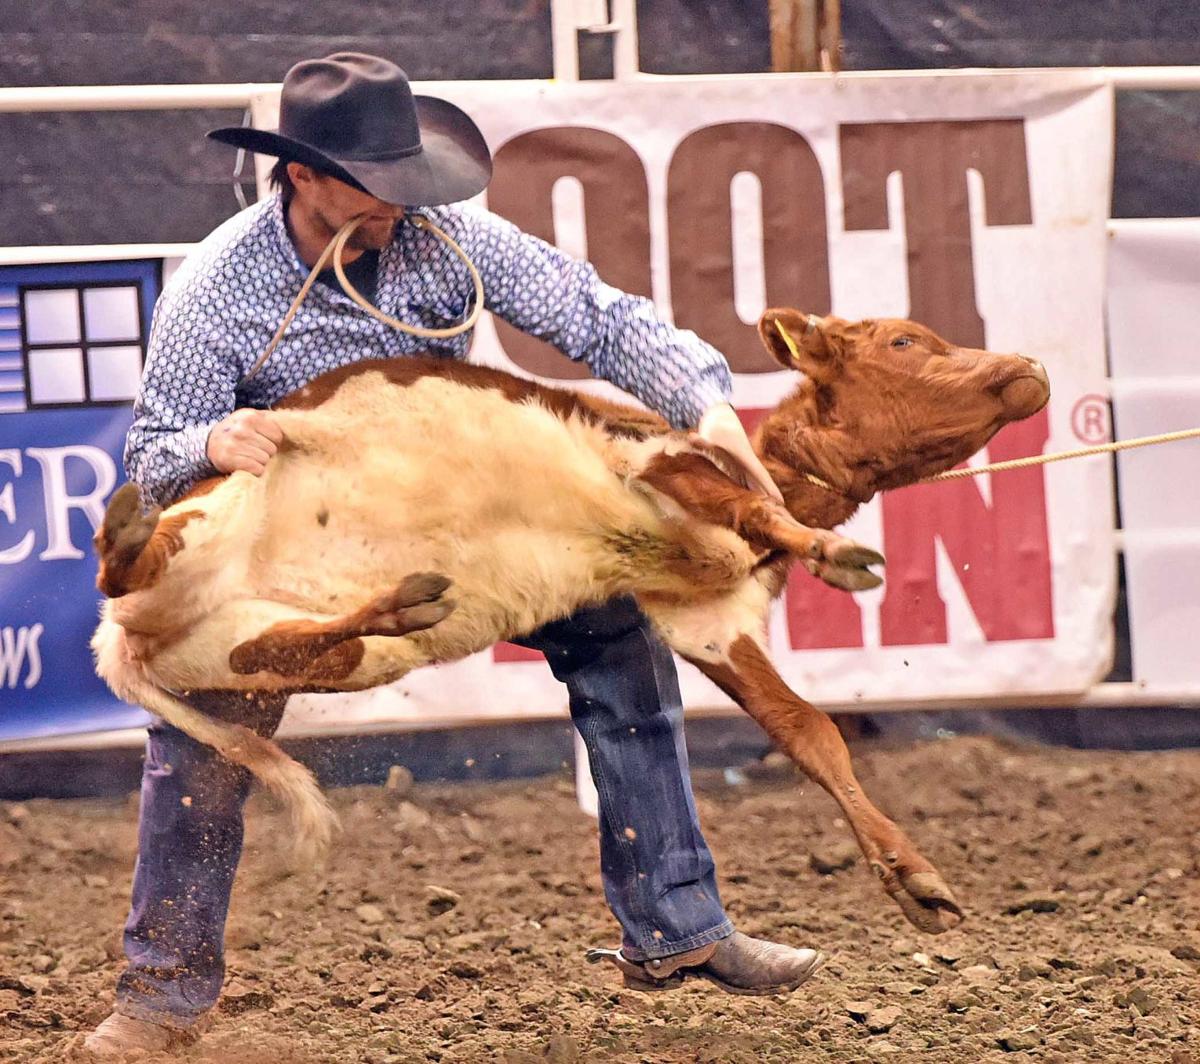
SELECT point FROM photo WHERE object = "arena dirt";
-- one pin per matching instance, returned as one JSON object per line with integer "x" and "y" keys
{"x": 450, "y": 923}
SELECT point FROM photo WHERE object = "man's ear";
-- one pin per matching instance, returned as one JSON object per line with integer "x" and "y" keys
{"x": 300, "y": 173}
{"x": 802, "y": 342}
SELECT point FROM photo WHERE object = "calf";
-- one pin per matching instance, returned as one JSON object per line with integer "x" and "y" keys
{"x": 525, "y": 503}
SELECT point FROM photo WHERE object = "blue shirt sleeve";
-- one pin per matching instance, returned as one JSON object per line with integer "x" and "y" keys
{"x": 620, "y": 337}
{"x": 188, "y": 385}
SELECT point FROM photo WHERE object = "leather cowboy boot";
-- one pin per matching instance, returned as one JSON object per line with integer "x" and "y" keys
{"x": 737, "y": 964}
{"x": 119, "y": 1037}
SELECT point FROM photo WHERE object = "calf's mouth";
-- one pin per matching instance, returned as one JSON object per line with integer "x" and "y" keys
{"x": 1027, "y": 392}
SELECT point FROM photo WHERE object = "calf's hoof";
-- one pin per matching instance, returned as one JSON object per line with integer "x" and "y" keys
{"x": 843, "y": 563}
{"x": 420, "y": 587}
{"x": 414, "y": 604}
{"x": 926, "y": 901}
{"x": 844, "y": 578}
{"x": 125, "y": 530}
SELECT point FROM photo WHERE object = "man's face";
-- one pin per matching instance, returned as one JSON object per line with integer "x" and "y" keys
{"x": 331, "y": 203}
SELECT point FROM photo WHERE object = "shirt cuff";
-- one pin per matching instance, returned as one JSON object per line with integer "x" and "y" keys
{"x": 194, "y": 448}
{"x": 703, "y": 394}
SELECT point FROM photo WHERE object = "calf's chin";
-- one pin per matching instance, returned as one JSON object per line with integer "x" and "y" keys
{"x": 1025, "y": 396}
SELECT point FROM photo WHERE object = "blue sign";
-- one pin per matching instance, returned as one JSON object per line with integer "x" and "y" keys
{"x": 72, "y": 343}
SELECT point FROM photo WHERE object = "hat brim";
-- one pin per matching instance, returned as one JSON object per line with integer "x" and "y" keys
{"x": 454, "y": 162}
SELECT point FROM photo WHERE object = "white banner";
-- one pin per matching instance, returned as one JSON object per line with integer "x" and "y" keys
{"x": 1153, "y": 322}
{"x": 975, "y": 203}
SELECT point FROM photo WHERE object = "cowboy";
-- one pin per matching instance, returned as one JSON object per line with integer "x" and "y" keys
{"x": 353, "y": 141}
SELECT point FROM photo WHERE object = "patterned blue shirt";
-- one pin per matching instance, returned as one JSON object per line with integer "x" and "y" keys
{"x": 220, "y": 310}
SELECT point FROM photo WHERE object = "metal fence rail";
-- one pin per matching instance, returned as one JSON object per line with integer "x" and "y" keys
{"x": 182, "y": 97}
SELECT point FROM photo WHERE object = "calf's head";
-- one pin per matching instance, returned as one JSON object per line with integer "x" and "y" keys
{"x": 887, "y": 402}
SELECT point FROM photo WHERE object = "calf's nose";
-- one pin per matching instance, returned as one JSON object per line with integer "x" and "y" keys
{"x": 1038, "y": 369}
{"x": 1027, "y": 392}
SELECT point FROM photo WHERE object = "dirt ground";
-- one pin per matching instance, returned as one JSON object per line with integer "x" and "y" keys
{"x": 450, "y": 923}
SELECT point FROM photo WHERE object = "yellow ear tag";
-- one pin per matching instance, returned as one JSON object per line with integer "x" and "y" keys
{"x": 791, "y": 344}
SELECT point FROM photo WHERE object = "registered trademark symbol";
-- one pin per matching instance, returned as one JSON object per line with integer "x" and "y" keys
{"x": 1090, "y": 419}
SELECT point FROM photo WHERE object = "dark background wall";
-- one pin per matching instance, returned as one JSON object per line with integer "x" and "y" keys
{"x": 151, "y": 176}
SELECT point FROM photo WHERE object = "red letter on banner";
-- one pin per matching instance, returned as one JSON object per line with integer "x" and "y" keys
{"x": 1000, "y": 553}
{"x": 820, "y": 617}
{"x": 512, "y": 652}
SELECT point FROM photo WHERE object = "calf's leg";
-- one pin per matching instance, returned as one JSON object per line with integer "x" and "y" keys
{"x": 814, "y": 743}
{"x": 707, "y": 493}
{"x": 134, "y": 547}
{"x": 315, "y": 650}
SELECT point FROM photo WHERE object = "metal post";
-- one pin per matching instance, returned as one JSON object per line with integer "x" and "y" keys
{"x": 626, "y": 63}
{"x": 618, "y": 17}
{"x": 564, "y": 25}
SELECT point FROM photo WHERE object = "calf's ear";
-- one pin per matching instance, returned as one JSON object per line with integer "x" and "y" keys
{"x": 801, "y": 342}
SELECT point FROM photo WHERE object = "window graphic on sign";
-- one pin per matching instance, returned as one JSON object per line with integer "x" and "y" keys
{"x": 74, "y": 335}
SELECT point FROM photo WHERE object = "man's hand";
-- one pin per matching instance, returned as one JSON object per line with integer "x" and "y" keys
{"x": 721, "y": 427}
{"x": 245, "y": 440}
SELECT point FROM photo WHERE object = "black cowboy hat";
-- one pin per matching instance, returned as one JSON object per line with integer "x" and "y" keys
{"x": 354, "y": 116}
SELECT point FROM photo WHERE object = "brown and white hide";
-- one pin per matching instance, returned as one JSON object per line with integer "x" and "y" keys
{"x": 420, "y": 511}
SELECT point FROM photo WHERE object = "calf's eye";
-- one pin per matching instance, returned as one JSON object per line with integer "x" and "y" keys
{"x": 902, "y": 341}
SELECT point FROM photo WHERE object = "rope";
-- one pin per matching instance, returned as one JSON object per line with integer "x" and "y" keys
{"x": 1059, "y": 456}
{"x": 334, "y": 249}
{"x": 1039, "y": 459}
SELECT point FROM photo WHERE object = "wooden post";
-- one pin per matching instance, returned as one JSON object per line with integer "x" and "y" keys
{"x": 831, "y": 35}
{"x": 806, "y": 35}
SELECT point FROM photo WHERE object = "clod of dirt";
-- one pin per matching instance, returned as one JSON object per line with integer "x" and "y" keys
{"x": 775, "y": 767}
{"x": 237, "y": 998}
{"x": 961, "y": 1000}
{"x": 15, "y": 814}
{"x": 879, "y": 1021}
{"x": 1140, "y": 999}
{"x": 1090, "y": 845}
{"x": 975, "y": 974}
{"x": 411, "y": 819}
{"x": 1035, "y": 904}
{"x": 833, "y": 857}
{"x": 1017, "y": 1041}
{"x": 399, "y": 781}
{"x": 370, "y": 914}
{"x": 440, "y": 900}
{"x": 465, "y": 970}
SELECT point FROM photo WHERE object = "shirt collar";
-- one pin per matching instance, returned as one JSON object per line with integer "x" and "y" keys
{"x": 283, "y": 239}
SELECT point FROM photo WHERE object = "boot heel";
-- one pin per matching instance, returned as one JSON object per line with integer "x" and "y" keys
{"x": 647, "y": 987}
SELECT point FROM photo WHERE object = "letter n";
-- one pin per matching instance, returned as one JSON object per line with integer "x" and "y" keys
{"x": 1000, "y": 552}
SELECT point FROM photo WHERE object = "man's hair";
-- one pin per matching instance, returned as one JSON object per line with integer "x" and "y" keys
{"x": 282, "y": 181}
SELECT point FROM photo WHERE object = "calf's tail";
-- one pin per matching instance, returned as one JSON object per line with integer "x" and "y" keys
{"x": 313, "y": 821}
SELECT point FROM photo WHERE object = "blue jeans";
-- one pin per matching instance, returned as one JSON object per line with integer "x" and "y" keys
{"x": 657, "y": 871}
